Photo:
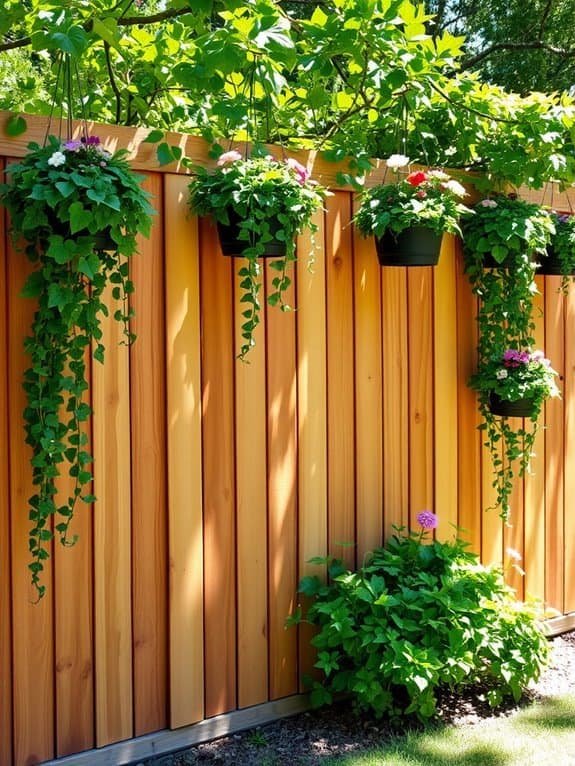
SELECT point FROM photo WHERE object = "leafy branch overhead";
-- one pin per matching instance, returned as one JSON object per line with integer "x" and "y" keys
{"x": 354, "y": 79}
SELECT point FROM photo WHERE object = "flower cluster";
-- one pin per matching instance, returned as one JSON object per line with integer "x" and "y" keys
{"x": 300, "y": 172}
{"x": 427, "y": 520}
{"x": 423, "y": 198}
{"x": 519, "y": 374}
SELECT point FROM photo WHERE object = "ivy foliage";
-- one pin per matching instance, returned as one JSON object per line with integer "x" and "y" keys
{"x": 78, "y": 209}
{"x": 512, "y": 232}
{"x": 416, "y": 618}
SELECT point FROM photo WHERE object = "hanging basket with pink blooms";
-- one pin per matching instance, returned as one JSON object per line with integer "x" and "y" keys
{"x": 408, "y": 218}
{"x": 260, "y": 204}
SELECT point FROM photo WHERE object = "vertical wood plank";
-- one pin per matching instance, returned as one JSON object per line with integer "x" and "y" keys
{"x": 312, "y": 417}
{"x": 6, "y": 755}
{"x": 219, "y": 486}
{"x": 251, "y": 504}
{"x": 32, "y": 623}
{"x": 112, "y": 537}
{"x": 569, "y": 463}
{"x": 340, "y": 374}
{"x": 534, "y": 483}
{"x": 149, "y": 530}
{"x": 554, "y": 450}
{"x": 420, "y": 355}
{"x": 395, "y": 399}
{"x": 368, "y": 396}
{"x": 73, "y": 616}
{"x": 445, "y": 390}
{"x": 282, "y": 493}
{"x": 184, "y": 437}
{"x": 491, "y": 524}
{"x": 469, "y": 438}
{"x": 513, "y": 531}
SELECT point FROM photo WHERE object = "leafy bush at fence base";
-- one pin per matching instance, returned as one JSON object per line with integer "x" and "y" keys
{"x": 415, "y": 618}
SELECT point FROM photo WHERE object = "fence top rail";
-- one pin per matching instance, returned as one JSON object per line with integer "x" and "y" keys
{"x": 142, "y": 155}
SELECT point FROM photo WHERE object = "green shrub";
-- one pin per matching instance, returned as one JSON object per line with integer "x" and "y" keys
{"x": 417, "y": 617}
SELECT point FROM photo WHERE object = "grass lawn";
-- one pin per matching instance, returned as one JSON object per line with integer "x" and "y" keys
{"x": 543, "y": 733}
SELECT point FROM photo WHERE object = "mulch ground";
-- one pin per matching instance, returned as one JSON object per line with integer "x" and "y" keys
{"x": 307, "y": 739}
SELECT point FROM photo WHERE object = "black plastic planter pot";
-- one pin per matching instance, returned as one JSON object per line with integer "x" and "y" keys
{"x": 104, "y": 242}
{"x": 520, "y": 408}
{"x": 232, "y": 245}
{"x": 550, "y": 265}
{"x": 416, "y": 246}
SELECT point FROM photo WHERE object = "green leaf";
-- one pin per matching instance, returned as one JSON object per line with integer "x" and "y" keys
{"x": 153, "y": 137}
{"x": 15, "y": 125}
{"x": 80, "y": 218}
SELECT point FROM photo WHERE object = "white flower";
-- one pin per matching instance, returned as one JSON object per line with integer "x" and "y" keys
{"x": 488, "y": 203}
{"x": 501, "y": 374}
{"x": 397, "y": 161}
{"x": 456, "y": 188}
{"x": 441, "y": 175}
{"x": 57, "y": 159}
{"x": 513, "y": 554}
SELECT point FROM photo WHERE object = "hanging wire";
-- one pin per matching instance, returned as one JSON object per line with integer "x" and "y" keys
{"x": 53, "y": 104}
{"x": 67, "y": 81}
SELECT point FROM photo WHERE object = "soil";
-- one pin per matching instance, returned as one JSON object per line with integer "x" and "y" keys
{"x": 309, "y": 738}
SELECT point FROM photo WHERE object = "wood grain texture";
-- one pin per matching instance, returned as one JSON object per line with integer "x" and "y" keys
{"x": 74, "y": 629}
{"x": 5, "y": 547}
{"x": 149, "y": 483}
{"x": 340, "y": 374}
{"x": 112, "y": 538}
{"x": 184, "y": 437}
{"x": 554, "y": 451}
{"x": 251, "y": 509}
{"x": 491, "y": 523}
{"x": 421, "y": 396}
{"x": 395, "y": 398}
{"x": 468, "y": 436}
{"x": 368, "y": 396}
{"x": 445, "y": 390}
{"x": 218, "y": 482}
{"x": 312, "y": 418}
{"x": 534, "y": 484}
{"x": 569, "y": 458}
{"x": 282, "y": 493}
{"x": 513, "y": 532}
{"x": 32, "y": 623}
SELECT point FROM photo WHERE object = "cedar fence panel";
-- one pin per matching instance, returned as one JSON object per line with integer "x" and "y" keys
{"x": 217, "y": 481}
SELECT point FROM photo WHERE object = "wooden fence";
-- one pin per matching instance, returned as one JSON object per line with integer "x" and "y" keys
{"x": 218, "y": 480}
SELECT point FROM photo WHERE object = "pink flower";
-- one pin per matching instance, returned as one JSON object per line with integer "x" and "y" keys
{"x": 298, "y": 169}
{"x": 427, "y": 520}
{"x": 227, "y": 157}
{"x": 488, "y": 203}
{"x": 416, "y": 178}
{"x": 421, "y": 194}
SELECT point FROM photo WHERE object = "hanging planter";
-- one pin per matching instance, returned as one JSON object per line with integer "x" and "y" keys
{"x": 559, "y": 258}
{"x": 414, "y": 246}
{"x": 518, "y": 408}
{"x": 260, "y": 205}
{"x": 78, "y": 208}
{"x": 408, "y": 218}
{"x": 232, "y": 244}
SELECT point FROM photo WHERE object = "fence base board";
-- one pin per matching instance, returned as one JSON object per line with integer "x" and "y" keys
{"x": 557, "y": 625}
{"x": 167, "y": 741}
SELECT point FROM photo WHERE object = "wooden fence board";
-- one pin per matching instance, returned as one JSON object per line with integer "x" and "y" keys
{"x": 368, "y": 397}
{"x": 112, "y": 538}
{"x": 32, "y": 623}
{"x": 218, "y": 482}
{"x": 252, "y": 506}
{"x": 554, "y": 451}
{"x": 468, "y": 436}
{"x": 395, "y": 399}
{"x": 445, "y": 390}
{"x": 340, "y": 371}
{"x": 534, "y": 484}
{"x": 420, "y": 359}
{"x": 569, "y": 457}
{"x": 149, "y": 530}
{"x": 282, "y": 493}
{"x": 5, "y": 556}
{"x": 312, "y": 417}
{"x": 184, "y": 436}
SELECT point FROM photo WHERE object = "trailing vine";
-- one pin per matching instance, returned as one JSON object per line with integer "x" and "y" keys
{"x": 79, "y": 209}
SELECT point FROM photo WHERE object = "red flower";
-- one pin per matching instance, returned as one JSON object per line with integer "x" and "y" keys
{"x": 416, "y": 178}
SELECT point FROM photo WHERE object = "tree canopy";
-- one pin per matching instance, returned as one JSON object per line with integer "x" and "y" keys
{"x": 353, "y": 78}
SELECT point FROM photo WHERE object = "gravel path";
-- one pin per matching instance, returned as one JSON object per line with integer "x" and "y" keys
{"x": 307, "y": 739}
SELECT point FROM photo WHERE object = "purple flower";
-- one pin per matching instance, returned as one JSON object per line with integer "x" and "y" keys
{"x": 300, "y": 171}
{"x": 91, "y": 141}
{"x": 514, "y": 358}
{"x": 72, "y": 146}
{"x": 427, "y": 520}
